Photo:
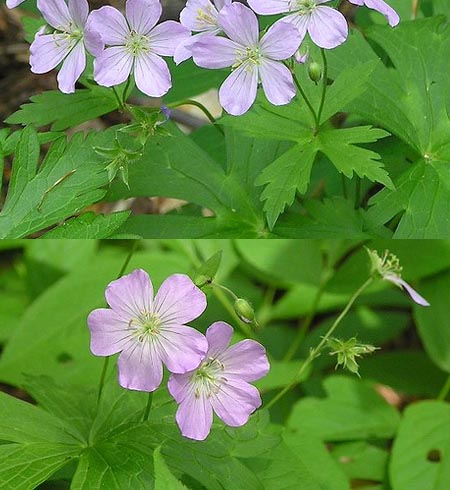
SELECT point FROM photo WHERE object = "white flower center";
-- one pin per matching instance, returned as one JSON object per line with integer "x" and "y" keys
{"x": 146, "y": 326}
{"x": 302, "y": 7}
{"x": 208, "y": 378}
{"x": 136, "y": 44}
{"x": 251, "y": 57}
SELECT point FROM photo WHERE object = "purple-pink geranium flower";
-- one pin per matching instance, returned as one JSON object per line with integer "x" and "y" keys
{"x": 149, "y": 331}
{"x": 199, "y": 16}
{"x": 326, "y": 26}
{"x": 251, "y": 59}
{"x": 67, "y": 44}
{"x": 219, "y": 384}
{"x": 135, "y": 44}
{"x": 382, "y": 7}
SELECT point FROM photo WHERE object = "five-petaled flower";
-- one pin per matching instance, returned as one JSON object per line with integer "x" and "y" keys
{"x": 326, "y": 26}
{"x": 251, "y": 59}
{"x": 219, "y": 384}
{"x": 67, "y": 43}
{"x": 382, "y": 7}
{"x": 149, "y": 331}
{"x": 388, "y": 268}
{"x": 136, "y": 44}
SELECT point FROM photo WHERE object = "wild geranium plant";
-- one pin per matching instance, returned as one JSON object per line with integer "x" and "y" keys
{"x": 309, "y": 128}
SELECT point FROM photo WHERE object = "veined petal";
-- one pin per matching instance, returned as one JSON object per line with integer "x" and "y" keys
{"x": 240, "y": 24}
{"x": 110, "y": 24}
{"x": 327, "y": 27}
{"x": 238, "y": 91}
{"x": 181, "y": 348}
{"x": 281, "y": 41}
{"x": 382, "y": 7}
{"x": 55, "y": 12}
{"x": 166, "y": 37}
{"x": 48, "y": 50}
{"x": 219, "y": 336}
{"x": 92, "y": 39}
{"x": 140, "y": 367}
{"x": 184, "y": 49}
{"x": 72, "y": 67}
{"x": 270, "y": 7}
{"x": 277, "y": 82}
{"x": 112, "y": 66}
{"x": 179, "y": 300}
{"x": 194, "y": 417}
{"x": 131, "y": 295}
{"x": 152, "y": 75}
{"x": 246, "y": 360}
{"x": 235, "y": 402}
{"x": 415, "y": 296}
{"x": 214, "y": 52}
{"x": 142, "y": 15}
{"x": 199, "y": 15}
{"x": 220, "y": 4}
{"x": 301, "y": 22}
{"x": 79, "y": 11}
{"x": 109, "y": 332}
{"x": 179, "y": 385}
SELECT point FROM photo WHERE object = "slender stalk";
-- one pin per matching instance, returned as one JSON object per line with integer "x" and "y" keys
{"x": 106, "y": 361}
{"x": 414, "y": 9}
{"x": 200, "y": 106}
{"x": 316, "y": 351}
{"x": 357, "y": 192}
{"x": 148, "y": 407}
{"x": 324, "y": 87}
{"x": 304, "y": 96}
{"x": 445, "y": 390}
{"x": 224, "y": 288}
{"x": 119, "y": 100}
{"x": 125, "y": 91}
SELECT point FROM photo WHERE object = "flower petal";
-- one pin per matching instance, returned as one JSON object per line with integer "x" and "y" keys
{"x": 72, "y": 68}
{"x": 220, "y": 4}
{"x": 166, "y": 37}
{"x": 191, "y": 16}
{"x": 194, "y": 417}
{"x": 47, "y": 51}
{"x": 152, "y": 75}
{"x": 130, "y": 295}
{"x": 382, "y": 7}
{"x": 140, "y": 368}
{"x": 327, "y": 27}
{"x": 403, "y": 284}
{"x": 55, "y": 12}
{"x": 240, "y": 24}
{"x": 92, "y": 39}
{"x": 79, "y": 11}
{"x": 219, "y": 336}
{"x": 270, "y": 7}
{"x": 246, "y": 360}
{"x": 301, "y": 22}
{"x": 13, "y": 3}
{"x": 109, "y": 332}
{"x": 179, "y": 385}
{"x": 235, "y": 402}
{"x": 142, "y": 15}
{"x": 214, "y": 52}
{"x": 181, "y": 348}
{"x": 179, "y": 300}
{"x": 112, "y": 66}
{"x": 238, "y": 91}
{"x": 281, "y": 41}
{"x": 110, "y": 24}
{"x": 277, "y": 82}
{"x": 184, "y": 49}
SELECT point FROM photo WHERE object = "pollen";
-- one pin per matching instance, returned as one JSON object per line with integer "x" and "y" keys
{"x": 136, "y": 44}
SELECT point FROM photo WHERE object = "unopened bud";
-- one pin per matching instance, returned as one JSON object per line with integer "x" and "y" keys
{"x": 244, "y": 310}
{"x": 314, "y": 71}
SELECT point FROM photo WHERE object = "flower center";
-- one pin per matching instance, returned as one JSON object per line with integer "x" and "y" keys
{"x": 302, "y": 7}
{"x": 207, "y": 379}
{"x": 136, "y": 44}
{"x": 251, "y": 56}
{"x": 146, "y": 327}
{"x": 207, "y": 17}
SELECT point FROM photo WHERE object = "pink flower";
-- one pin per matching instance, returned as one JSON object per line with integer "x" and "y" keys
{"x": 13, "y": 3}
{"x": 149, "y": 331}
{"x": 219, "y": 384}
{"x": 135, "y": 45}
{"x": 382, "y": 7}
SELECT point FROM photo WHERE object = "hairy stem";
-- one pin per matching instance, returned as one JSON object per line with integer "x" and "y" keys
{"x": 304, "y": 96}
{"x": 324, "y": 88}
{"x": 199, "y": 106}
{"x": 148, "y": 407}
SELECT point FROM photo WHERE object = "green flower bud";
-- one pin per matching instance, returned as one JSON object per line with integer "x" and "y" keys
{"x": 244, "y": 310}
{"x": 314, "y": 71}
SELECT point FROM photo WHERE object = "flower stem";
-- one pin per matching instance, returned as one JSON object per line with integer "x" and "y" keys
{"x": 106, "y": 361}
{"x": 148, "y": 407}
{"x": 119, "y": 100}
{"x": 445, "y": 390}
{"x": 324, "y": 88}
{"x": 200, "y": 106}
{"x": 317, "y": 350}
{"x": 304, "y": 96}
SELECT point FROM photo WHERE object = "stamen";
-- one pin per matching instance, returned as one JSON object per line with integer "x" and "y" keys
{"x": 136, "y": 44}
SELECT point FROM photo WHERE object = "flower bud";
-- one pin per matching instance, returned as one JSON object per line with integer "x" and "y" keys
{"x": 348, "y": 351}
{"x": 314, "y": 71}
{"x": 244, "y": 310}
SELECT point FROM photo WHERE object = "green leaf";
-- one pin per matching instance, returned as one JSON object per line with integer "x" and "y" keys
{"x": 421, "y": 452}
{"x": 89, "y": 225}
{"x": 432, "y": 321}
{"x": 351, "y": 411}
{"x": 164, "y": 479}
{"x": 64, "y": 111}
